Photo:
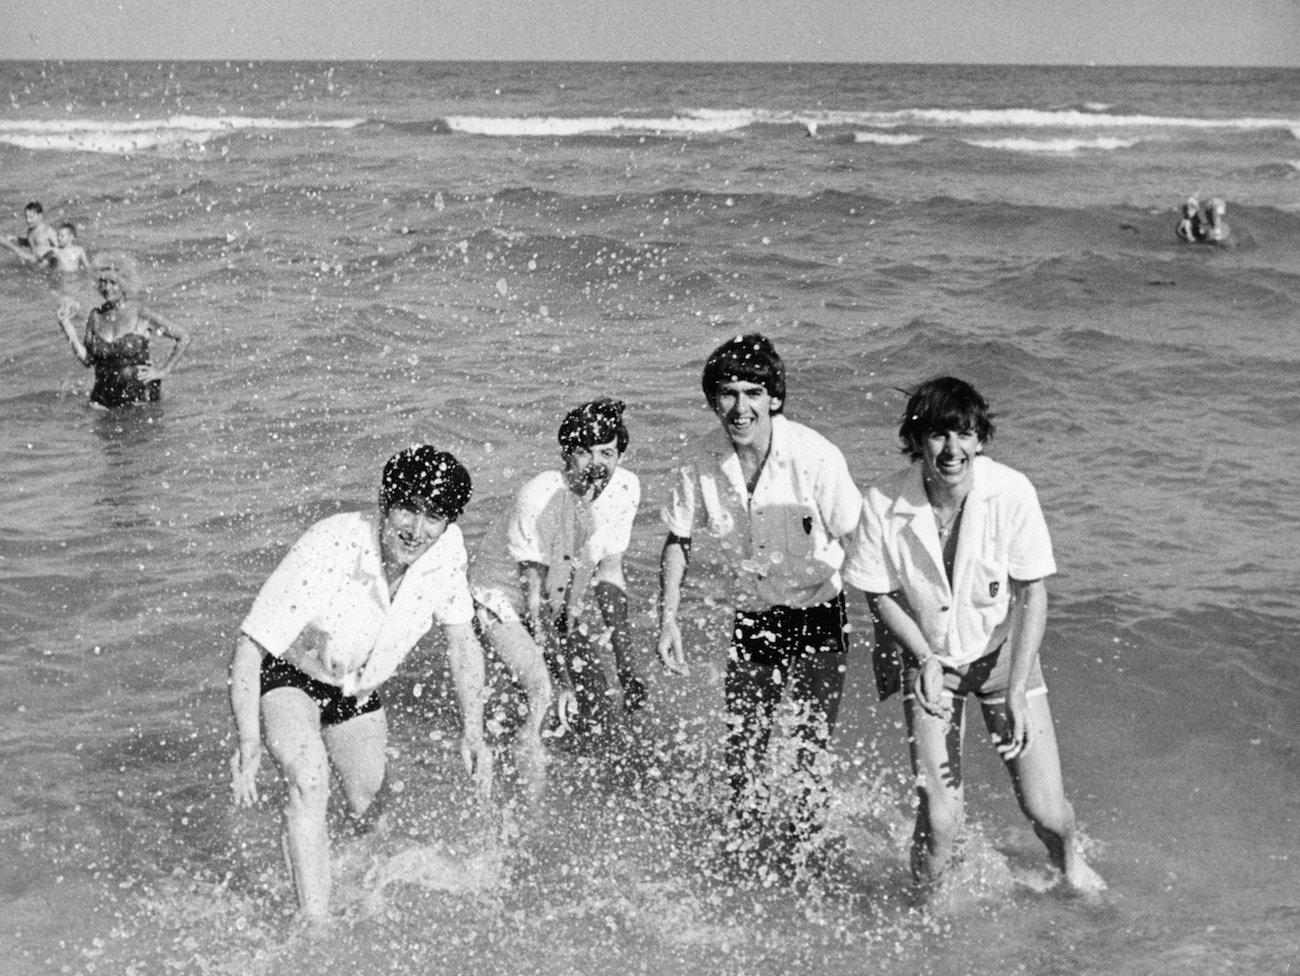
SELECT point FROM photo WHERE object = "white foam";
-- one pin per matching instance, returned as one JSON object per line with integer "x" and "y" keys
{"x": 555, "y": 126}
{"x": 1071, "y": 119}
{"x": 430, "y": 868}
{"x": 1064, "y": 146}
{"x": 705, "y": 120}
{"x": 886, "y": 138}
{"x": 117, "y": 137}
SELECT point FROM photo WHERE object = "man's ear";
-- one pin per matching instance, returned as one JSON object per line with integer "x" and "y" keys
{"x": 776, "y": 405}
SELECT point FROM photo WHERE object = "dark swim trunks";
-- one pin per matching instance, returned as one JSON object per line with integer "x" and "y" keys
{"x": 335, "y": 707}
{"x": 779, "y": 635}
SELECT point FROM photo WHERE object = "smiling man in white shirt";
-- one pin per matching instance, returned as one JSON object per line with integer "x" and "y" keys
{"x": 953, "y": 554}
{"x": 340, "y": 612}
{"x": 776, "y": 497}
{"x": 549, "y": 574}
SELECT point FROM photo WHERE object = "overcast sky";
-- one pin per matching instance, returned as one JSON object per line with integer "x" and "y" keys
{"x": 1209, "y": 32}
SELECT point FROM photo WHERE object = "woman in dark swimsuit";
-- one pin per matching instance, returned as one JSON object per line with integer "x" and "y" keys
{"x": 116, "y": 341}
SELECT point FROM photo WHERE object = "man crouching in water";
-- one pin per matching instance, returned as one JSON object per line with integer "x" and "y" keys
{"x": 333, "y": 622}
{"x": 556, "y": 551}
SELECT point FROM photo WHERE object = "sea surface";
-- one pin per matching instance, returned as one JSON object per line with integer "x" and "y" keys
{"x": 374, "y": 254}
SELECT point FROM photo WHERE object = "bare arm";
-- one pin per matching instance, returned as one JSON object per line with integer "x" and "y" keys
{"x": 245, "y": 697}
{"x": 68, "y": 309}
{"x": 539, "y": 617}
{"x": 180, "y": 338}
{"x": 465, "y": 655}
{"x": 1028, "y": 624}
{"x": 673, "y": 561}
{"x": 25, "y": 255}
{"x": 891, "y": 610}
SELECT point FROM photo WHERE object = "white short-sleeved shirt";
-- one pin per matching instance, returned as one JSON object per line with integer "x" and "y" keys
{"x": 326, "y": 608}
{"x": 782, "y": 546}
{"x": 1003, "y": 536}
{"x": 550, "y": 525}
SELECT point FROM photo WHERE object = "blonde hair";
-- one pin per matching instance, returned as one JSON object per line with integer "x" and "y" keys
{"x": 118, "y": 266}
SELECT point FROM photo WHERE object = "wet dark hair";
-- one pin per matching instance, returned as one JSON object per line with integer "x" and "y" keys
{"x": 942, "y": 404}
{"x": 747, "y": 358}
{"x": 596, "y": 422}
{"x": 425, "y": 480}
{"x": 70, "y": 226}
{"x": 34, "y": 206}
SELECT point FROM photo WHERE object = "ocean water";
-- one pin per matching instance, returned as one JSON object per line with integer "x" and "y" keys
{"x": 372, "y": 254}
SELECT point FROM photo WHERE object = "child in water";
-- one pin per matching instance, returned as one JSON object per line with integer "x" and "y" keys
{"x": 1211, "y": 228}
{"x": 1203, "y": 225}
{"x": 1186, "y": 229}
{"x": 68, "y": 256}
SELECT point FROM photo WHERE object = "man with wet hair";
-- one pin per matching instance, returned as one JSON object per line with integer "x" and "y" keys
{"x": 777, "y": 497}
{"x": 953, "y": 554}
{"x": 333, "y": 622}
{"x": 550, "y": 572}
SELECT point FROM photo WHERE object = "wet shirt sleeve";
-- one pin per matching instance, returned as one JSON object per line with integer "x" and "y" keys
{"x": 678, "y": 513}
{"x": 530, "y": 535}
{"x": 615, "y": 511}
{"x": 1029, "y": 553}
{"x": 867, "y": 565}
{"x": 838, "y": 498}
{"x": 448, "y": 583}
{"x": 300, "y": 589}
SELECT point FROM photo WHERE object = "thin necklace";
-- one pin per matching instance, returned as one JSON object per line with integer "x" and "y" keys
{"x": 945, "y": 526}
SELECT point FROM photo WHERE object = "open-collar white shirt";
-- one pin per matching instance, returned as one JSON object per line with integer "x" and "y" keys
{"x": 1002, "y": 536}
{"x": 782, "y": 544}
{"x": 326, "y": 608}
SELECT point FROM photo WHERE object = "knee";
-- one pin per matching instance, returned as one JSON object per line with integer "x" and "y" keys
{"x": 308, "y": 784}
{"x": 939, "y": 817}
{"x": 1053, "y": 815}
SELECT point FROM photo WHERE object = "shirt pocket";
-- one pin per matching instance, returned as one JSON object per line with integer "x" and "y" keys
{"x": 988, "y": 585}
{"x": 793, "y": 537}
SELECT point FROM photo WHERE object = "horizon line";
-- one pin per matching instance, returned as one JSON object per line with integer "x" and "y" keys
{"x": 139, "y": 59}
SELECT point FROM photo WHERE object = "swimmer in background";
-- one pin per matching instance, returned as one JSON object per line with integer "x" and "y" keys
{"x": 1210, "y": 227}
{"x": 40, "y": 239}
{"x": 68, "y": 256}
{"x": 116, "y": 338}
{"x": 1186, "y": 229}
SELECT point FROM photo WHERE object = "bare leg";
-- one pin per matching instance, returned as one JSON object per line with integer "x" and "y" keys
{"x": 356, "y": 751}
{"x": 1040, "y": 788}
{"x": 291, "y": 723}
{"x": 935, "y": 745}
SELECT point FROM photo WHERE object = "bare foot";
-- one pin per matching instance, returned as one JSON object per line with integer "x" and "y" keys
{"x": 530, "y": 763}
{"x": 1081, "y": 878}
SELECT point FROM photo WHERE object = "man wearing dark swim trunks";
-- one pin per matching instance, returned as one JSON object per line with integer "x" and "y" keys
{"x": 333, "y": 622}
{"x": 778, "y": 498}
